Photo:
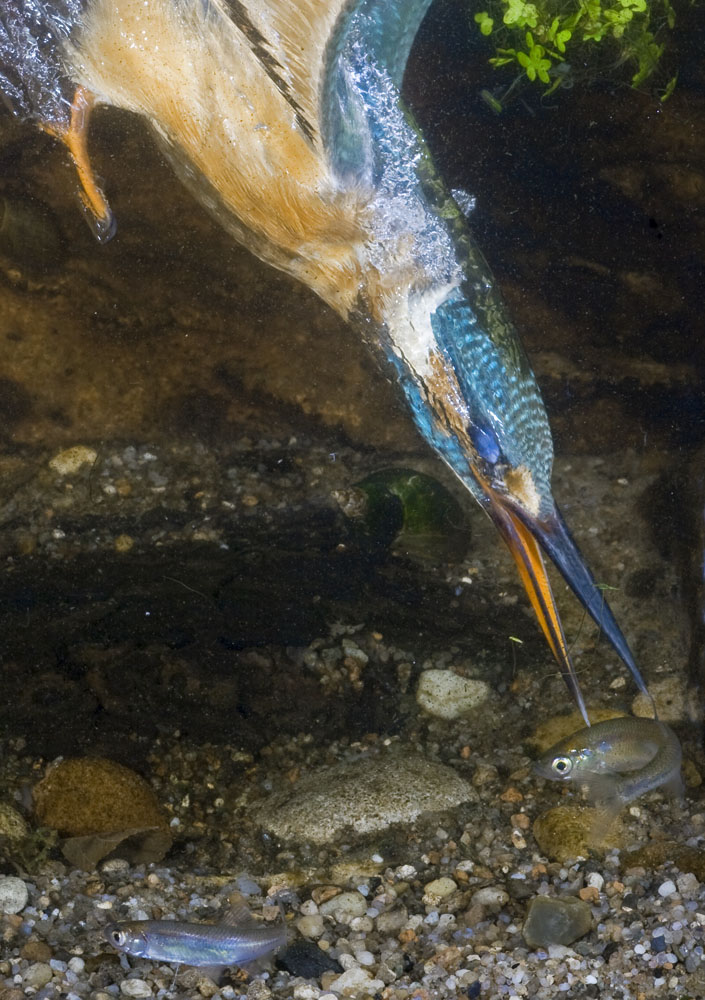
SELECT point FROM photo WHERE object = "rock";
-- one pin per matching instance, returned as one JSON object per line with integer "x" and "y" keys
{"x": 365, "y": 795}
{"x": 137, "y": 846}
{"x": 555, "y": 729}
{"x": 37, "y": 975}
{"x": 445, "y": 695}
{"x": 689, "y": 860}
{"x": 138, "y": 989}
{"x": 306, "y": 959}
{"x": 344, "y": 907}
{"x": 567, "y": 832}
{"x": 356, "y": 982}
{"x": 310, "y": 926}
{"x": 13, "y": 894}
{"x": 102, "y": 806}
{"x": 551, "y": 921}
{"x": 491, "y": 895}
{"x": 674, "y": 701}
{"x": 68, "y": 462}
{"x": 36, "y": 951}
{"x": 12, "y": 823}
{"x": 438, "y": 890}
{"x": 84, "y": 795}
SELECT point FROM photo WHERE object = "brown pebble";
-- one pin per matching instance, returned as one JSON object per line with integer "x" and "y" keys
{"x": 511, "y": 794}
{"x": 590, "y": 894}
{"x": 407, "y": 936}
{"x": 521, "y": 821}
{"x": 37, "y": 951}
{"x": 323, "y": 892}
{"x": 11, "y": 993}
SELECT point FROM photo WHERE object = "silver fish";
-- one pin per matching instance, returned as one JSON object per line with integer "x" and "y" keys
{"x": 236, "y": 940}
{"x": 617, "y": 761}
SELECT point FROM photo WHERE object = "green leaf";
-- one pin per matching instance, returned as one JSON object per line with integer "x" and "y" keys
{"x": 485, "y": 22}
{"x": 670, "y": 87}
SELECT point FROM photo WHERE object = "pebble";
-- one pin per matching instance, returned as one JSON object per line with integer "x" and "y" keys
{"x": 344, "y": 907}
{"x": 687, "y": 884}
{"x": 38, "y": 975}
{"x": 554, "y": 920}
{"x": 438, "y": 890}
{"x": 310, "y": 926}
{"x": 491, "y": 895}
{"x": 13, "y": 894}
{"x": 138, "y": 989}
{"x": 355, "y": 982}
{"x": 445, "y": 695}
{"x": 69, "y": 461}
{"x": 12, "y": 823}
{"x": 667, "y": 888}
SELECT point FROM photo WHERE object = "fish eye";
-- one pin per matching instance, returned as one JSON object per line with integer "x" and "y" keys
{"x": 117, "y": 937}
{"x": 562, "y": 765}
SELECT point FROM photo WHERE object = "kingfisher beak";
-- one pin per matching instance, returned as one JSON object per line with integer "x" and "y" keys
{"x": 525, "y": 536}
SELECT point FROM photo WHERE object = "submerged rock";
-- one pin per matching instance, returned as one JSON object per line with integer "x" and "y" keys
{"x": 567, "y": 832}
{"x": 13, "y": 894}
{"x": 551, "y": 920}
{"x": 365, "y": 795}
{"x": 445, "y": 695}
{"x": 102, "y": 806}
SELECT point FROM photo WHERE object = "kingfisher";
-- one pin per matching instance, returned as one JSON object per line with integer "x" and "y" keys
{"x": 284, "y": 118}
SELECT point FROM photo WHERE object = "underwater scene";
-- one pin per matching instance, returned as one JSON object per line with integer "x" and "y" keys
{"x": 352, "y": 493}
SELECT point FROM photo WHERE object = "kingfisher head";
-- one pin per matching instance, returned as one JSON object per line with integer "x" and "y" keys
{"x": 475, "y": 398}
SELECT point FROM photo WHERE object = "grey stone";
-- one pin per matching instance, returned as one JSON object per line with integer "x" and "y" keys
{"x": 364, "y": 796}
{"x": 556, "y": 921}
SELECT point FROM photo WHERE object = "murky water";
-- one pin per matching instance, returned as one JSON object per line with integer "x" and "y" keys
{"x": 173, "y": 586}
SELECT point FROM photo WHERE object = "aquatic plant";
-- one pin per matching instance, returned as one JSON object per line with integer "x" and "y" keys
{"x": 549, "y": 39}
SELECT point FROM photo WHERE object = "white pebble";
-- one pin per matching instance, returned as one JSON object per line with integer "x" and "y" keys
{"x": 490, "y": 895}
{"x": 356, "y": 982}
{"x": 310, "y": 926}
{"x": 445, "y": 695}
{"x": 438, "y": 889}
{"x": 344, "y": 907}
{"x": 138, "y": 989}
{"x": 667, "y": 888}
{"x": 595, "y": 881}
{"x": 687, "y": 883}
{"x": 77, "y": 965}
{"x": 365, "y": 957}
{"x": 13, "y": 894}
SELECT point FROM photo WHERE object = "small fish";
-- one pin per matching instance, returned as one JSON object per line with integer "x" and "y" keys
{"x": 617, "y": 761}
{"x": 237, "y": 940}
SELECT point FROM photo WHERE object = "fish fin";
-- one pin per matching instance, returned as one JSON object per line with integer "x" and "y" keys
{"x": 95, "y": 205}
{"x": 214, "y": 972}
{"x": 674, "y": 787}
{"x": 238, "y": 913}
{"x": 604, "y": 817}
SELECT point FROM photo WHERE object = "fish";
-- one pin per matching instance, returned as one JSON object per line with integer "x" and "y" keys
{"x": 237, "y": 939}
{"x": 617, "y": 761}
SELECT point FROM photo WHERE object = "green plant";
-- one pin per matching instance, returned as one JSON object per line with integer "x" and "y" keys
{"x": 547, "y": 38}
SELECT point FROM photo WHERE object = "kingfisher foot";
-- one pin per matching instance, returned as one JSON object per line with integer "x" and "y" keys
{"x": 95, "y": 205}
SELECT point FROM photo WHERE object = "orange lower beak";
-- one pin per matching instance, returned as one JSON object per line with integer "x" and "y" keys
{"x": 523, "y": 535}
{"x": 532, "y": 571}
